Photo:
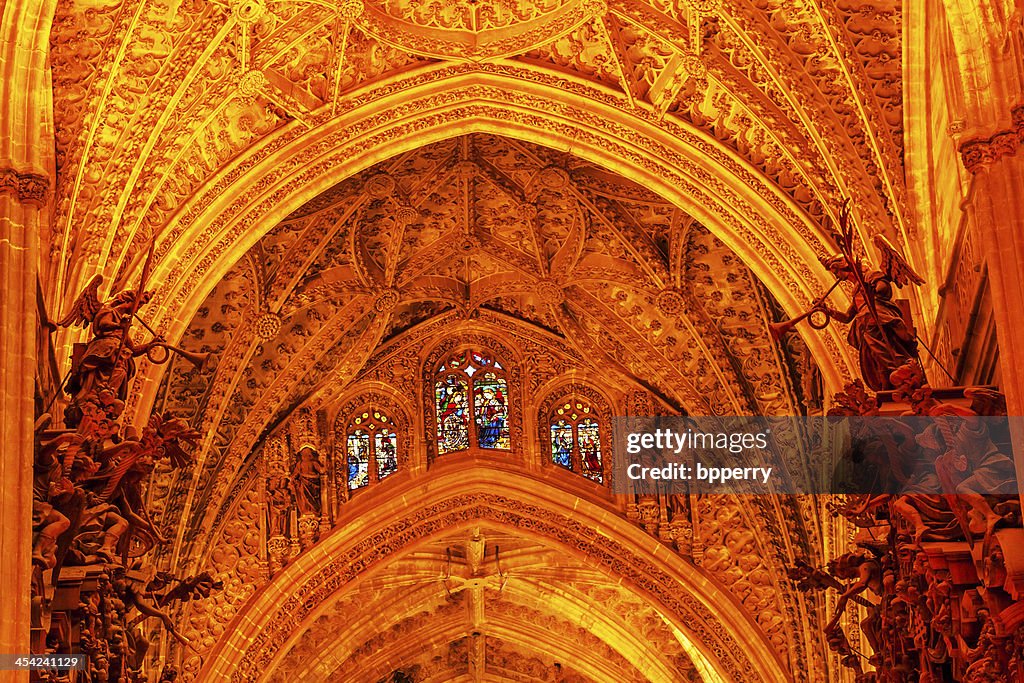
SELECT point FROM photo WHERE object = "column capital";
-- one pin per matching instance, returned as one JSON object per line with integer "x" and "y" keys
{"x": 979, "y": 154}
{"x": 30, "y": 188}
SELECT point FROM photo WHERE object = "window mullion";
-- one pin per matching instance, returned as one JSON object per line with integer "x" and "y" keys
{"x": 577, "y": 456}
{"x": 474, "y": 441}
{"x": 371, "y": 466}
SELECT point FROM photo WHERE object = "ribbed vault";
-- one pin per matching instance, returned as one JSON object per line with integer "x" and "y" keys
{"x": 493, "y": 553}
{"x": 202, "y": 124}
{"x": 575, "y": 277}
{"x": 475, "y": 599}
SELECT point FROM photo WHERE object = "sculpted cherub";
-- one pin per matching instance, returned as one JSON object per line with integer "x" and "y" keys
{"x": 130, "y": 462}
{"x": 864, "y": 567}
{"x": 131, "y": 597}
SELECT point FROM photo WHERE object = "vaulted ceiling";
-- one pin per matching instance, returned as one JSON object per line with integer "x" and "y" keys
{"x": 629, "y": 189}
{"x": 486, "y": 605}
{"x": 174, "y": 120}
{"x": 579, "y": 271}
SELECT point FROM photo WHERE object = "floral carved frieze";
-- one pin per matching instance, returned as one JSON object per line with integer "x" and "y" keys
{"x": 476, "y": 30}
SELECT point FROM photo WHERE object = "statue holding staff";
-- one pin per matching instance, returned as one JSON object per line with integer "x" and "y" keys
{"x": 880, "y": 331}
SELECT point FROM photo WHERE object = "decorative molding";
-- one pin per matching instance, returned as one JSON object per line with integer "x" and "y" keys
{"x": 247, "y": 653}
{"x": 30, "y": 188}
{"x": 981, "y": 153}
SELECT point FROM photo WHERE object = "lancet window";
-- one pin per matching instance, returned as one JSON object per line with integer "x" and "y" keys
{"x": 575, "y": 438}
{"x": 471, "y": 403}
{"x": 371, "y": 448}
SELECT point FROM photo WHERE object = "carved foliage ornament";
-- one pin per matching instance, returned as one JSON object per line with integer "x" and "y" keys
{"x": 980, "y": 154}
{"x": 474, "y": 30}
{"x": 30, "y": 188}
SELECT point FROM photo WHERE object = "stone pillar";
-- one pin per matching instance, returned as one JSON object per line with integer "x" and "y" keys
{"x": 18, "y": 329}
{"x": 26, "y": 150}
{"x": 997, "y": 163}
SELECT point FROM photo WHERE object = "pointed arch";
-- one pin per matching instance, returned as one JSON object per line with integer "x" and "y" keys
{"x": 461, "y": 497}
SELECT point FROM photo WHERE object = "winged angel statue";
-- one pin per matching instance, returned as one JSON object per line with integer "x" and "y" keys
{"x": 107, "y": 361}
{"x": 879, "y": 328}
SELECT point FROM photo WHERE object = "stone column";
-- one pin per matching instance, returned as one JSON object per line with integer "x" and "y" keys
{"x": 26, "y": 144}
{"x": 19, "y": 215}
{"x": 997, "y": 163}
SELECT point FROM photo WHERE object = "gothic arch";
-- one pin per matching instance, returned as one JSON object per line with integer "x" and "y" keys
{"x": 564, "y": 388}
{"x": 696, "y": 173}
{"x": 370, "y": 534}
{"x": 366, "y": 397}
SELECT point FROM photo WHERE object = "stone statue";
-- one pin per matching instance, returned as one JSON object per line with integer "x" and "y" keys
{"x": 106, "y": 362}
{"x": 880, "y": 332}
{"x": 306, "y": 480}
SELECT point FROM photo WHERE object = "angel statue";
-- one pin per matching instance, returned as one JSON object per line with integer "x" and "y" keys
{"x": 880, "y": 331}
{"x": 127, "y": 466}
{"x": 107, "y": 362}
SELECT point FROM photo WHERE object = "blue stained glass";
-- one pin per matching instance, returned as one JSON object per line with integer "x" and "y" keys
{"x": 358, "y": 459}
{"x": 386, "y": 452}
{"x": 484, "y": 361}
{"x": 589, "y": 439}
{"x": 490, "y": 400}
{"x": 452, "y": 407}
{"x": 561, "y": 443}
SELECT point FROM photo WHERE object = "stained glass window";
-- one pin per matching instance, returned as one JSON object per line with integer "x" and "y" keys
{"x": 452, "y": 402}
{"x": 561, "y": 443}
{"x": 576, "y": 439}
{"x": 491, "y": 403}
{"x": 472, "y": 385}
{"x": 358, "y": 459}
{"x": 386, "y": 453}
{"x": 371, "y": 449}
{"x": 589, "y": 439}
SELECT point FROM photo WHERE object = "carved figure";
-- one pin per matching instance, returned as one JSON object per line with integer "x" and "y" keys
{"x": 879, "y": 330}
{"x": 124, "y": 589}
{"x": 279, "y": 496}
{"x": 129, "y": 463}
{"x": 106, "y": 362}
{"x": 101, "y": 518}
{"x": 306, "y": 480}
{"x": 968, "y": 467}
{"x": 48, "y": 523}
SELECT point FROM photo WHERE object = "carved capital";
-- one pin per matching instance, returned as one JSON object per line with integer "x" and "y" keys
{"x": 981, "y": 153}
{"x": 29, "y": 188}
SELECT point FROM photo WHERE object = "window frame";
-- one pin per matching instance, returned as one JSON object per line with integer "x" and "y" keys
{"x": 585, "y": 410}
{"x": 469, "y": 357}
{"x": 381, "y": 422}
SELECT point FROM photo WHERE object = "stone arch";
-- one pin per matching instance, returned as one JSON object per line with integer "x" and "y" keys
{"x": 693, "y": 171}
{"x": 368, "y": 534}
